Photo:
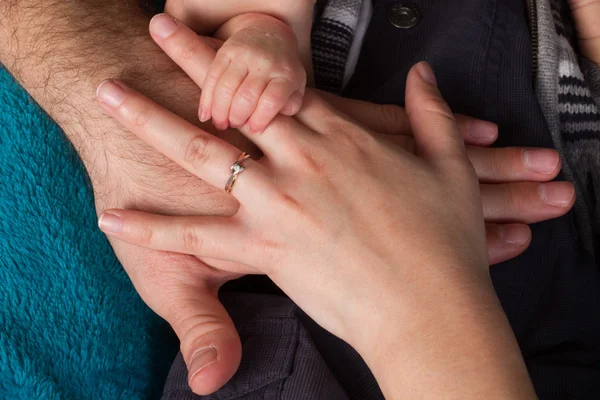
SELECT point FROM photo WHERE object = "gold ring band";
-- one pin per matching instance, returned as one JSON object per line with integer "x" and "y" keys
{"x": 236, "y": 169}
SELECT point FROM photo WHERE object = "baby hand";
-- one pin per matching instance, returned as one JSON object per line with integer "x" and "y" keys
{"x": 256, "y": 74}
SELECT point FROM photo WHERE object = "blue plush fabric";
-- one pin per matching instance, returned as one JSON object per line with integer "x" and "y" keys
{"x": 71, "y": 324}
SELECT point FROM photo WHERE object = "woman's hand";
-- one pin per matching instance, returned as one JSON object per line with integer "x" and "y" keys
{"x": 358, "y": 233}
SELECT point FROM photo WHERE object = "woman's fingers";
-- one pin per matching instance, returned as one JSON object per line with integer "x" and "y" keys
{"x": 222, "y": 238}
{"x": 502, "y": 164}
{"x": 506, "y": 241}
{"x": 194, "y": 54}
{"x": 586, "y": 14}
{"x": 514, "y": 164}
{"x": 201, "y": 153}
{"x": 526, "y": 202}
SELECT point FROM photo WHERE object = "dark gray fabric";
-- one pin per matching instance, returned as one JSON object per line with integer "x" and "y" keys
{"x": 482, "y": 56}
{"x": 279, "y": 358}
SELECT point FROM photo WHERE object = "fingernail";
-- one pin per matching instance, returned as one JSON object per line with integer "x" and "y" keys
{"x": 204, "y": 115}
{"x": 426, "y": 73}
{"x": 543, "y": 161}
{"x": 514, "y": 234}
{"x": 483, "y": 130}
{"x": 110, "y": 93}
{"x": 220, "y": 126}
{"x": 201, "y": 359}
{"x": 162, "y": 25}
{"x": 558, "y": 194}
{"x": 110, "y": 223}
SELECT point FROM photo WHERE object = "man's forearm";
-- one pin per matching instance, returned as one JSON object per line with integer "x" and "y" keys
{"x": 60, "y": 51}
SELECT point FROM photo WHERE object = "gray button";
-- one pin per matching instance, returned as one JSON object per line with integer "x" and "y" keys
{"x": 404, "y": 15}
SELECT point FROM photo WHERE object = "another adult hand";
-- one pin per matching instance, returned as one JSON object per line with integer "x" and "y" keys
{"x": 356, "y": 232}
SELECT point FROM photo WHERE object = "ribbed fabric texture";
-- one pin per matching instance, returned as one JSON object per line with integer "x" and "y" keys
{"x": 279, "y": 358}
{"x": 332, "y": 35}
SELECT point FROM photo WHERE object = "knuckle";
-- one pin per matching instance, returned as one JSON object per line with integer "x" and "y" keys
{"x": 501, "y": 161}
{"x": 245, "y": 98}
{"x": 225, "y": 91}
{"x": 191, "y": 240}
{"x": 268, "y": 251}
{"x": 264, "y": 59}
{"x": 393, "y": 117}
{"x": 309, "y": 163}
{"x": 517, "y": 198}
{"x": 345, "y": 132}
{"x": 187, "y": 51}
{"x": 211, "y": 79}
{"x": 494, "y": 162}
{"x": 289, "y": 70}
{"x": 270, "y": 102}
{"x": 196, "y": 152}
{"x": 437, "y": 105}
{"x": 141, "y": 116}
{"x": 194, "y": 326}
{"x": 145, "y": 235}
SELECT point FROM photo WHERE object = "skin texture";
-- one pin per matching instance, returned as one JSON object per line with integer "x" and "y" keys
{"x": 416, "y": 274}
{"x": 206, "y": 17}
{"x": 60, "y": 52}
{"x": 256, "y": 74}
{"x": 586, "y": 14}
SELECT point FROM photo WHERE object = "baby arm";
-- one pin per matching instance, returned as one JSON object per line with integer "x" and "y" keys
{"x": 206, "y": 16}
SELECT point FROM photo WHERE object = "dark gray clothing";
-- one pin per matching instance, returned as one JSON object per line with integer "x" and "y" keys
{"x": 279, "y": 358}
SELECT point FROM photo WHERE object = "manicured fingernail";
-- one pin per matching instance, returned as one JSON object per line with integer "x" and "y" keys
{"x": 514, "y": 234}
{"x": 542, "y": 161}
{"x": 110, "y": 223}
{"x": 201, "y": 359}
{"x": 426, "y": 73}
{"x": 163, "y": 26}
{"x": 110, "y": 93}
{"x": 558, "y": 194}
{"x": 482, "y": 130}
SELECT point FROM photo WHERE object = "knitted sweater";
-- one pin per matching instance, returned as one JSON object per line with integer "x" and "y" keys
{"x": 568, "y": 90}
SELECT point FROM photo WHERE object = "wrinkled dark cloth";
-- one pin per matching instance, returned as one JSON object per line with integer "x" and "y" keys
{"x": 482, "y": 56}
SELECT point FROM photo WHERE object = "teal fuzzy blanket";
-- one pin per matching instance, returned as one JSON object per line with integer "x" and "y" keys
{"x": 71, "y": 324}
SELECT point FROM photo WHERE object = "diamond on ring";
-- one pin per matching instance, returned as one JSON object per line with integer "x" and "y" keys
{"x": 235, "y": 170}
